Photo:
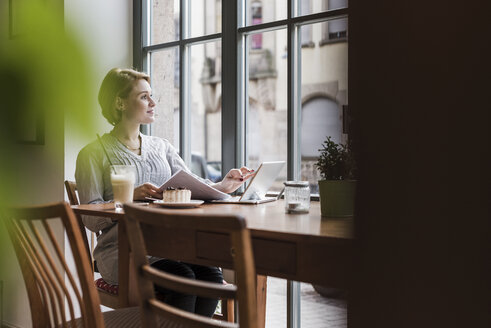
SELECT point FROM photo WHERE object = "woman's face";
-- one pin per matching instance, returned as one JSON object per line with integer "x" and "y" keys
{"x": 139, "y": 106}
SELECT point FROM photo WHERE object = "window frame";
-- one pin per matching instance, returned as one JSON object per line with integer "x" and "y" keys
{"x": 234, "y": 86}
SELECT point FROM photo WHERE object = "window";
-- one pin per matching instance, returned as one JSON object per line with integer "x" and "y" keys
{"x": 205, "y": 109}
{"x": 184, "y": 63}
{"x": 246, "y": 82}
{"x": 165, "y": 90}
{"x": 265, "y": 59}
{"x": 266, "y": 115}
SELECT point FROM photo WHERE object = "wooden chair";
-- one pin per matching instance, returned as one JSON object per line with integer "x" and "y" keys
{"x": 109, "y": 297}
{"x": 54, "y": 300}
{"x": 143, "y": 223}
{"x": 71, "y": 190}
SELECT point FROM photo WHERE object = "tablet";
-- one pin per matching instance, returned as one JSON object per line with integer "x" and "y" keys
{"x": 259, "y": 185}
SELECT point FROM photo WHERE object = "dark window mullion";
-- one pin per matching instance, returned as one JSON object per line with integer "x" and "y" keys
{"x": 301, "y": 20}
{"x": 319, "y": 17}
{"x": 243, "y": 81}
{"x": 183, "y": 42}
{"x": 264, "y": 27}
{"x": 231, "y": 118}
{"x": 138, "y": 20}
{"x": 184, "y": 124}
{"x": 293, "y": 156}
{"x": 146, "y": 22}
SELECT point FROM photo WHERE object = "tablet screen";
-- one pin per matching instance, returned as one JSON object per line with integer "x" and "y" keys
{"x": 262, "y": 180}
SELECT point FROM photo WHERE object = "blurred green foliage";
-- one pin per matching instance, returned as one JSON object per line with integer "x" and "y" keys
{"x": 44, "y": 72}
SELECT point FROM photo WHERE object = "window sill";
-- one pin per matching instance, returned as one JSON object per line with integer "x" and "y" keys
{"x": 309, "y": 44}
{"x": 332, "y": 41}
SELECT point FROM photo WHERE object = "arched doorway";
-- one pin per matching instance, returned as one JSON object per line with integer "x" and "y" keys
{"x": 321, "y": 117}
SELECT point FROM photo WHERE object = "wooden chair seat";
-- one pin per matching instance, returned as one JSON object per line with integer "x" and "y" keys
{"x": 127, "y": 318}
{"x": 130, "y": 318}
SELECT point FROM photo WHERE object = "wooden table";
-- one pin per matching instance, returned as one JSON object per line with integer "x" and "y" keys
{"x": 299, "y": 247}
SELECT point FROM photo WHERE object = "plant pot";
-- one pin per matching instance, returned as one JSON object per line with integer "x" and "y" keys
{"x": 337, "y": 197}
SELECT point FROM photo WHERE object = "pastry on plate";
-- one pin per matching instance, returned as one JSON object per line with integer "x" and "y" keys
{"x": 177, "y": 195}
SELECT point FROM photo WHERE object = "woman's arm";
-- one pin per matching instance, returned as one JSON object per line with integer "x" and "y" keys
{"x": 231, "y": 182}
{"x": 234, "y": 179}
{"x": 90, "y": 185}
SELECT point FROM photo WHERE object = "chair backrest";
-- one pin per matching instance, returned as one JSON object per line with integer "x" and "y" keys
{"x": 147, "y": 227}
{"x": 71, "y": 190}
{"x": 42, "y": 260}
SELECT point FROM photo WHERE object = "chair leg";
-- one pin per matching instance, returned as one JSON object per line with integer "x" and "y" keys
{"x": 228, "y": 310}
{"x": 227, "y": 313}
{"x": 261, "y": 290}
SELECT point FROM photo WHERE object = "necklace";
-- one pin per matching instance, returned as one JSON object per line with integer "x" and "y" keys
{"x": 128, "y": 147}
{"x": 124, "y": 144}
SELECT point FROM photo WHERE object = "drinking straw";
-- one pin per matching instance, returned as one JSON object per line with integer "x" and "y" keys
{"x": 104, "y": 148}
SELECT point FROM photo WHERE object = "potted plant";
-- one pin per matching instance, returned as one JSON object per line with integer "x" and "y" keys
{"x": 337, "y": 189}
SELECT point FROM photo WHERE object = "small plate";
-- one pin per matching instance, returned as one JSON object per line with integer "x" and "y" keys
{"x": 191, "y": 204}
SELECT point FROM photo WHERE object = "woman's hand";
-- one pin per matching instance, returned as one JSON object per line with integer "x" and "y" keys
{"x": 234, "y": 179}
{"x": 147, "y": 190}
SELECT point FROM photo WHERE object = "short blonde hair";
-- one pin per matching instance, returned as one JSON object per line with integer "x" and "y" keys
{"x": 117, "y": 83}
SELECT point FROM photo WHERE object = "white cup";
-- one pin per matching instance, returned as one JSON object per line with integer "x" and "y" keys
{"x": 123, "y": 182}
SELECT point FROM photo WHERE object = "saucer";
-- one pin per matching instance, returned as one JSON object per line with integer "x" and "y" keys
{"x": 191, "y": 204}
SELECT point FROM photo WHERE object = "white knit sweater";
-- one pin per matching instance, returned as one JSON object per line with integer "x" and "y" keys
{"x": 158, "y": 161}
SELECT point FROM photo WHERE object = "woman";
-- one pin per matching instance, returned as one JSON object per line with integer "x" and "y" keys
{"x": 126, "y": 102}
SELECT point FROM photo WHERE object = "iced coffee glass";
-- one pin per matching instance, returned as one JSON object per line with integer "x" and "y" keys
{"x": 123, "y": 182}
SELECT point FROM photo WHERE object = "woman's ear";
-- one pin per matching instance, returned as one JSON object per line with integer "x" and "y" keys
{"x": 119, "y": 104}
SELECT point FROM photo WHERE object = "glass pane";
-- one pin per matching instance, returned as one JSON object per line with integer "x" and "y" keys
{"x": 206, "y": 17}
{"x": 322, "y": 307}
{"x": 265, "y": 11}
{"x": 164, "y": 23}
{"x": 206, "y": 110}
{"x": 164, "y": 71}
{"x": 266, "y": 135}
{"x": 324, "y": 89}
{"x": 307, "y": 7}
{"x": 276, "y": 303}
